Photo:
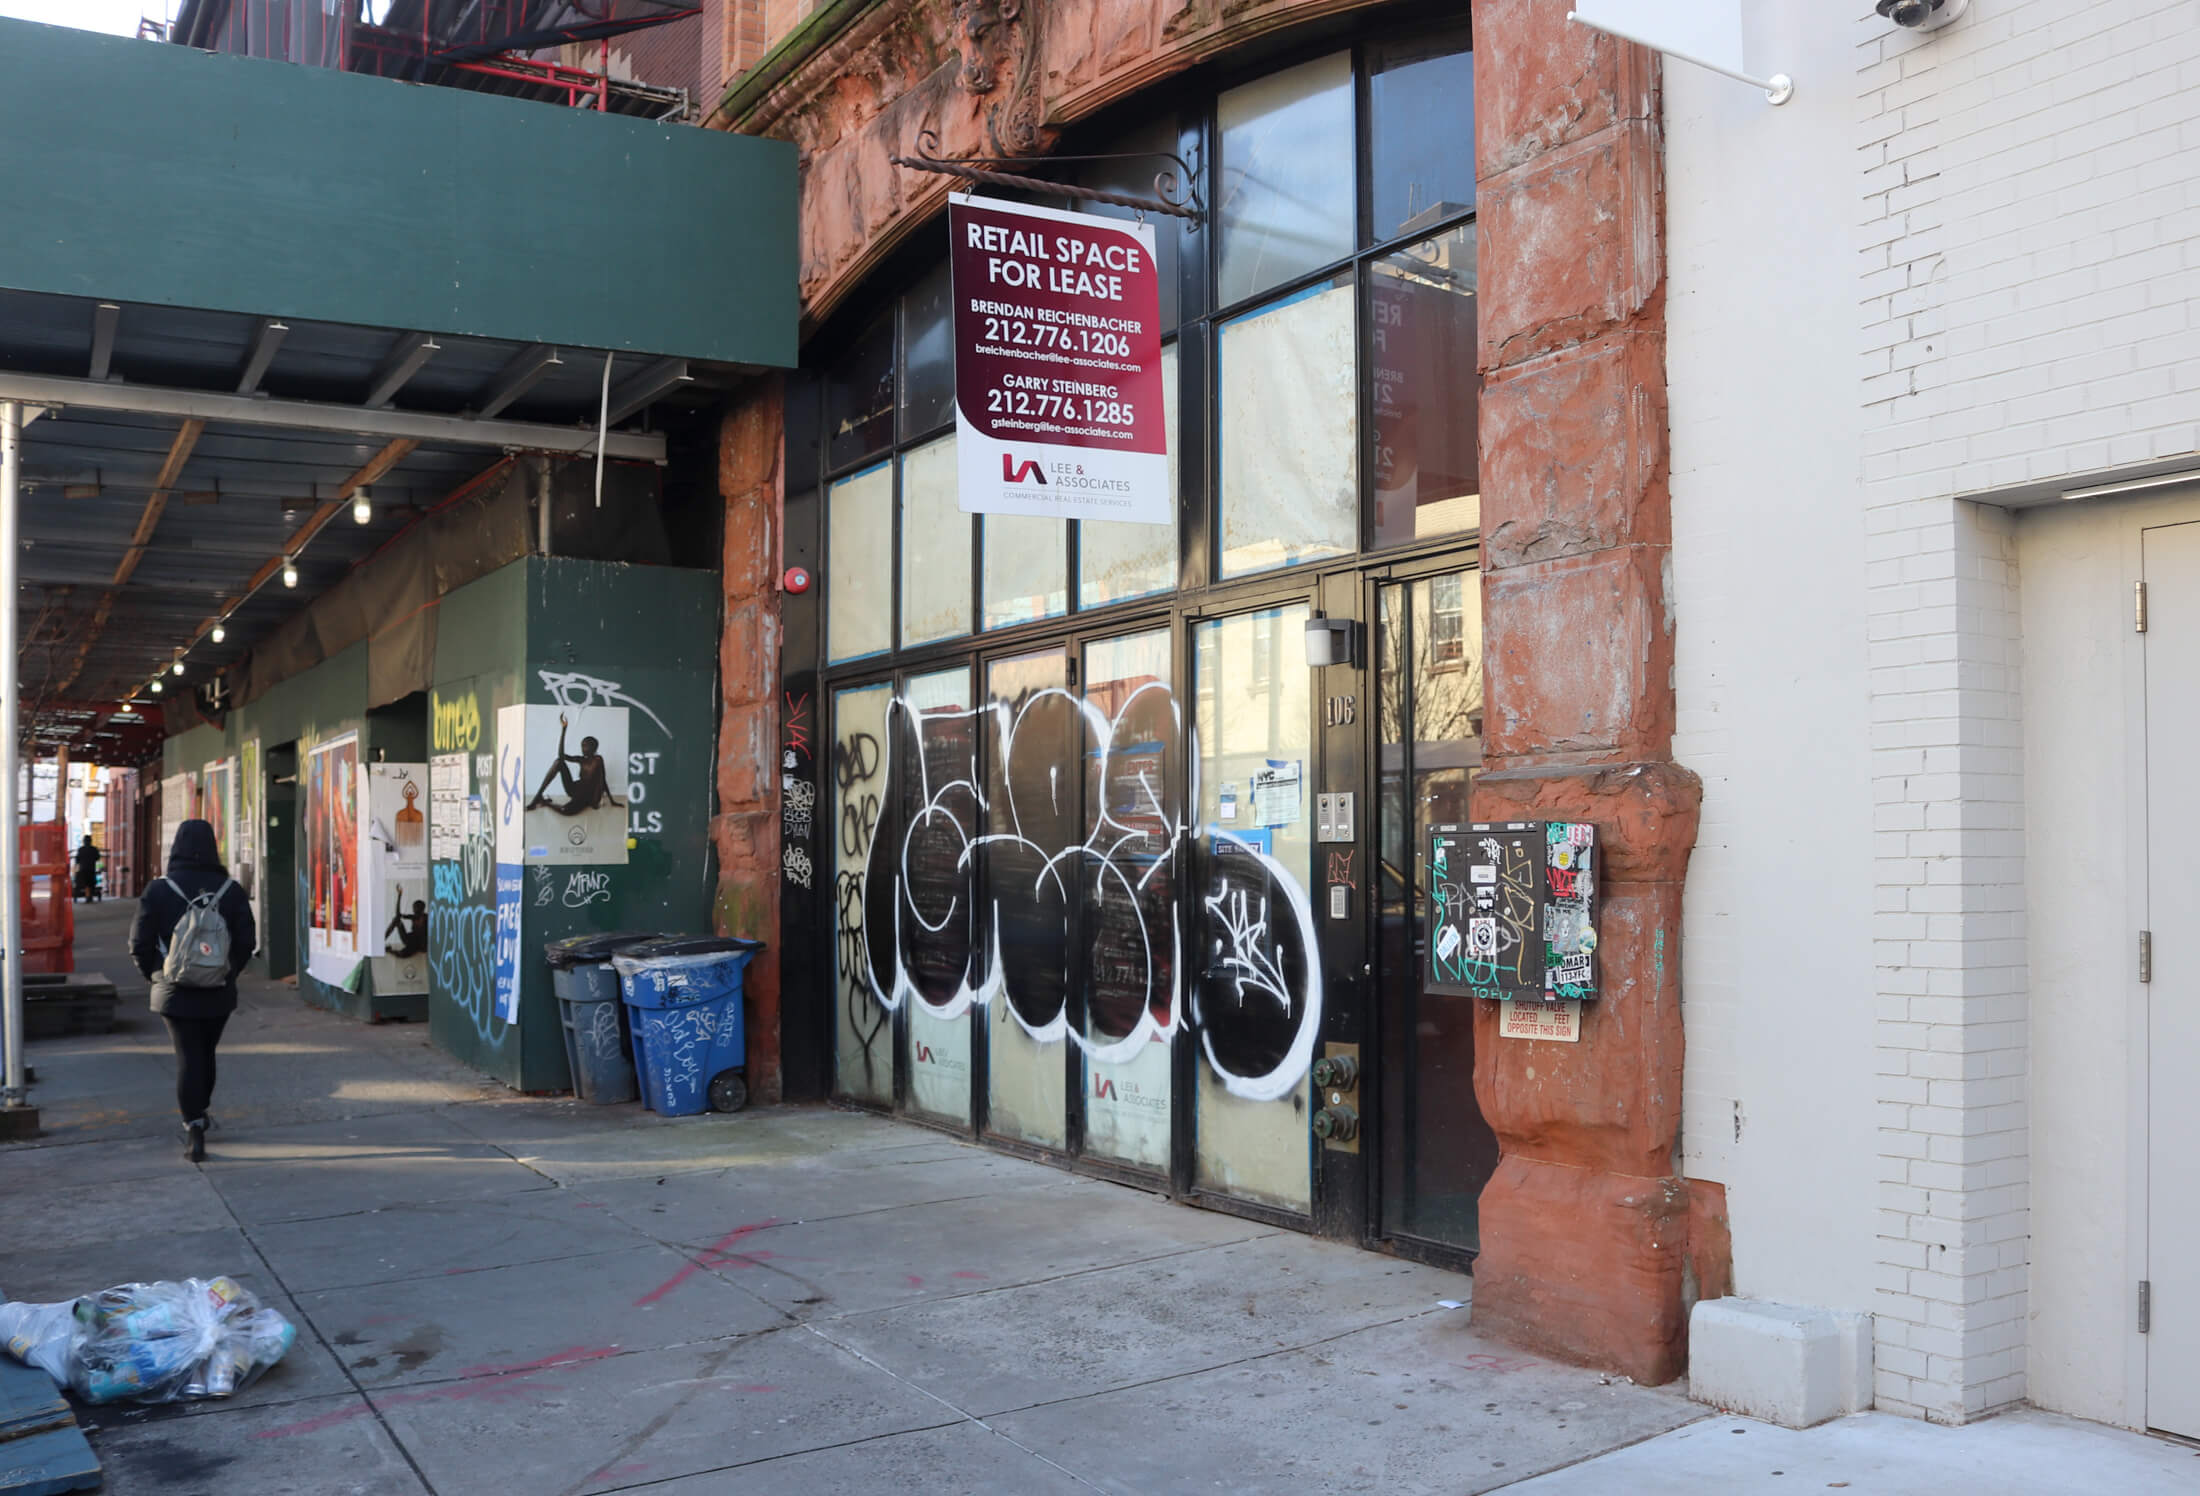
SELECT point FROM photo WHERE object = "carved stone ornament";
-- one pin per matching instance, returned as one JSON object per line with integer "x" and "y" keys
{"x": 982, "y": 27}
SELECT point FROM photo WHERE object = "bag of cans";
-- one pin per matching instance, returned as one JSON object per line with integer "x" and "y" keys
{"x": 150, "y": 1342}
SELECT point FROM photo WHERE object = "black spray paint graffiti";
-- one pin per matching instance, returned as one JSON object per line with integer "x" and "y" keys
{"x": 855, "y": 767}
{"x": 972, "y": 905}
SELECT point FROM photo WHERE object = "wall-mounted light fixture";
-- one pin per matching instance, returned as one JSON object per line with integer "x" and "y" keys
{"x": 178, "y": 667}
{"x": 362, "y": 507}
{"x": 1331, "y": 641}
{"x": 290, "y": 572}
{"x": 220, "y": 632}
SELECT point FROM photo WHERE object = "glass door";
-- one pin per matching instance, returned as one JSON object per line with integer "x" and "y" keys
{"x": 863, "y": 1068}
{"x": 934, "y": 739}
{"x": 1256, "y": 994}
{"x": 904, "y": 814}
{"x": 1031, "y": 819}
{"x": 1131, "y": 925}
{"x": 1436, "y": 1151}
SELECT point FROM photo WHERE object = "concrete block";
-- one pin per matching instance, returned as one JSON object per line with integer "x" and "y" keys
{"x": 1782, "y": 1363}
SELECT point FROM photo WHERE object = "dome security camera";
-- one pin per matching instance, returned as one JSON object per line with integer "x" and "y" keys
{"x": 1921, "y": 15}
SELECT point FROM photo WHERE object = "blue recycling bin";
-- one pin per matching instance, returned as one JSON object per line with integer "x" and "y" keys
{"x": 683, "y": 1001}
{"x": 599, "y": 1052}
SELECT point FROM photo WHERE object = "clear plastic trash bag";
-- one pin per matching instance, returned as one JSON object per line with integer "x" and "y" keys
{"x": 150, "y": 1342}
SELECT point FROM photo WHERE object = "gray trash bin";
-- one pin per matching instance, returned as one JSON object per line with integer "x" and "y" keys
{"x": 598, "y": 1049}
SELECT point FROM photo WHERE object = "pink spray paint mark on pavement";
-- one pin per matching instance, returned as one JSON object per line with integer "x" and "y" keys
{"x": 915, "y": 1281}
{"x": 716, "y": 1254}
{"x": 495, "y": 1383}
{"x": 619, "y": 1472}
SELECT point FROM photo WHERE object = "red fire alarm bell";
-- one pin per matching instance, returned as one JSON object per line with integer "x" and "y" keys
{"x": 797, "y": 579}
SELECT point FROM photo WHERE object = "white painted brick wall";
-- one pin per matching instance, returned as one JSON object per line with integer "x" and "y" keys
{"x": 2029, "y": 276}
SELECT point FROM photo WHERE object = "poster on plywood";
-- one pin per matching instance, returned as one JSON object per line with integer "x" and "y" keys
{"x": 393, "y": 874}
{"x": 332, "y": 859}
{"x": 217, "y": 807}
{"x": 178, "y": 803}
{"x": 251, "y": 835}
{"x": 564, "y": 800}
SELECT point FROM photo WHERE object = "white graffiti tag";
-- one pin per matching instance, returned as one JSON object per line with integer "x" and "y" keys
{"x": 572, "y": 688}
{"x": 585, "y": 888}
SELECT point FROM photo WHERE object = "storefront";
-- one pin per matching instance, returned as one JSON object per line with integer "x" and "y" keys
{"x": 1098, "y": 840}
{"x": 1108, "y": 864}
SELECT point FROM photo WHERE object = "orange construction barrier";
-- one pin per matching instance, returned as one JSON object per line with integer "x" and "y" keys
{"x": 49, "y": 910}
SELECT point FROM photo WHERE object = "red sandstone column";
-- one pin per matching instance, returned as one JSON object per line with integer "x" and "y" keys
{"x": 745, "y": 831}
{"x": 1584, "y": 1225}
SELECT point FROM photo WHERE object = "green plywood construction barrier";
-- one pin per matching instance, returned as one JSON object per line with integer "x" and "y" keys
{"x": 547, "y": 632}
{"x": 595, "y": 633}
{"x": 294, "y": 192}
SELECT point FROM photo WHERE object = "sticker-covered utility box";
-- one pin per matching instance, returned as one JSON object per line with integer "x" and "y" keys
{"x": 1512, "y": 910}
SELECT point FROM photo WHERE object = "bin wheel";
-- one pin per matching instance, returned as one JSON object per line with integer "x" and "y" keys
{"x": 729, "y": 1091}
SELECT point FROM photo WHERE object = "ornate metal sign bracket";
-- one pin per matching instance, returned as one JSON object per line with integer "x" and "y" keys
{"x": 1174, "y": 193}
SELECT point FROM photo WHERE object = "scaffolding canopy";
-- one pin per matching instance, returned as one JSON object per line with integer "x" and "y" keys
{"x": 168, "y": 176}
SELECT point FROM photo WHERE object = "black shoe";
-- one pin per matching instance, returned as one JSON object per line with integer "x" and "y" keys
{"x": 194, "y": 1141}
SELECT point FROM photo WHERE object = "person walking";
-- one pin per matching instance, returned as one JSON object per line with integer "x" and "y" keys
{"x": 87, "y": 869}
{"x": 192, "y": 935}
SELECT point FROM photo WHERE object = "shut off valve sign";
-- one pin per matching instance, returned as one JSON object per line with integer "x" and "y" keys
{"x": 1058, "y": 405}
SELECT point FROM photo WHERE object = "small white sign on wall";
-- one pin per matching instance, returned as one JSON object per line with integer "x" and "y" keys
{"x": 1555, "y": 1021}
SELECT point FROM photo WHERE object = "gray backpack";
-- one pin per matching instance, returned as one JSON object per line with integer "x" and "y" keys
{"x": 198, "y": 951}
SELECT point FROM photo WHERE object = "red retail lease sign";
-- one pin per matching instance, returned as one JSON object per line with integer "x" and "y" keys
{"x": 1058, "y": 402}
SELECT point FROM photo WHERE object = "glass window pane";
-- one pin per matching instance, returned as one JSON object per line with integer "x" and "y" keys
{"x": 1258, "y": 987}
{"x": 1290, "y": 426}
{"x": 928, "y": 356}
{"x": 859, "y": 550}
{"x": 935, "y": 773}
{"x": 1135, "y": 176}
{"x": 1288, "y": 201}
{"x": 1115, "y": 561}
{"x": 862, "y": 1024}
{"x": 1425, "y": 457}
{"x": 1130, "y": 897}
{"x": 1420, "y": 128}
{"x": 935, "y": 547}
{"x": 1026, "y": 568}
{"x": 1030, "y": 814}
{"x": 859, "y": 397}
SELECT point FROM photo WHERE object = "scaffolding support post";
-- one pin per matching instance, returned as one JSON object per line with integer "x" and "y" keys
{"x": 14, "y": 1087}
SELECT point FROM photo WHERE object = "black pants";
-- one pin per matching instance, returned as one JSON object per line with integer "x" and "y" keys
{"x": 195, "y": 1039}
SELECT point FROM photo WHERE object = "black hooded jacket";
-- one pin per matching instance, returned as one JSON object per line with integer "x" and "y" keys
{"x": 195, "y": 867}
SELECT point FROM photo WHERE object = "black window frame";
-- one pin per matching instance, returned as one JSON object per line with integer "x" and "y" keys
{"x": 1194, "y": 102}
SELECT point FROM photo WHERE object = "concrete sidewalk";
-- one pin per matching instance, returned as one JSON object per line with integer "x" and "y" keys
{"x": 512, "y": 1296}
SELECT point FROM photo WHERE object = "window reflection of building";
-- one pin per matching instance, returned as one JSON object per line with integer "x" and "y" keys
{"x": 1425, "y": 388}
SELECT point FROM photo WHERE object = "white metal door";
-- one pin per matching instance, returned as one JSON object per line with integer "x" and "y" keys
{"x": 2170, "y": 560}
